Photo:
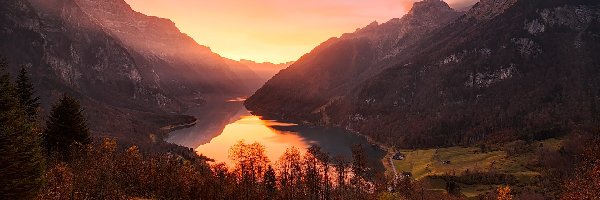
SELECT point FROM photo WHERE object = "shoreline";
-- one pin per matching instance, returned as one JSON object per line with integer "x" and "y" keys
{"x": 178, "y": 126}
{"x": 168, "y": 129}
{"x": 385, "y": 161}
{"x": 385, "y": 149}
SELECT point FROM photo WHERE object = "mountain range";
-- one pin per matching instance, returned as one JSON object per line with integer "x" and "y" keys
{"x": 501, "y": 71}
{"x": 134, "y": 73}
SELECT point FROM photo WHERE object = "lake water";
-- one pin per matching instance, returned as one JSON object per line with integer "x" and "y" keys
{"x": 222, "y": 124}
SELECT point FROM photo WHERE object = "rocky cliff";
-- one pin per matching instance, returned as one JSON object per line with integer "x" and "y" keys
{"x": 132, "y": 72}
{"x": 338, "y": 65}
{"x": 505, "y": 70}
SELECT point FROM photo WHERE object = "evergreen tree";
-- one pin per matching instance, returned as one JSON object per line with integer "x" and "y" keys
{"x": 66, "y": 127}
{"x": 21, "y": 158}
{"x": 270, "y": 183}
{"x": 360, "y": 169}
{"x": 25, "y": 92}
{"x": 340, "y": 164}
{"x": 359, "y": 161}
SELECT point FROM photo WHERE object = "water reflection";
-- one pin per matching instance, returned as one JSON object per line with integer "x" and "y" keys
{"x": 252, "y": 129}
{"x": 223, "y": 124}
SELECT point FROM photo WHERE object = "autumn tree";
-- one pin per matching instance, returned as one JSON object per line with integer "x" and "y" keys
{"x": 22, "y": 163}
{"x": 341, "y": 165}
{"x": 504, "y": 193}
{"x": 66, "y": 126}
{"x": 313, "y": 173}
{"x": 250, "y": 165}
{"x": 291, "y": 174}
{"x": 130, "y": 169}
{"x": 586, "y": 182}
{"x": 325, "y": 161}
{"x": 60, "y": 183}
{"x": 95, "y": 171}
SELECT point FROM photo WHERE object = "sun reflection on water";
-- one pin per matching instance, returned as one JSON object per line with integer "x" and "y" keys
{"x": 250, "y": 129}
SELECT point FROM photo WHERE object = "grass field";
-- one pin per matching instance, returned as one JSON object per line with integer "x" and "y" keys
{"x": 424, "y": 163}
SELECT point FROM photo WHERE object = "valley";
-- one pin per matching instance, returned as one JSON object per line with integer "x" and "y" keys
{"x": 222, "y": 124}
{"x": 498, "y": 100}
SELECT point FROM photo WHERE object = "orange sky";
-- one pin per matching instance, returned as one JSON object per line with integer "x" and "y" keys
{"x": 271, "y": 30}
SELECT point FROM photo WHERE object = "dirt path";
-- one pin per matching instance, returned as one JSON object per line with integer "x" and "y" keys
{"x": 396, "y": 176}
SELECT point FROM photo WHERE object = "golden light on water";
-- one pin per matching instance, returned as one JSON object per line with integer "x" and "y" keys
{"x": 252, "y": 129}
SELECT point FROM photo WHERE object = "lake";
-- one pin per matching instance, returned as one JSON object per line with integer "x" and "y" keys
{"x": 221, "y": 124}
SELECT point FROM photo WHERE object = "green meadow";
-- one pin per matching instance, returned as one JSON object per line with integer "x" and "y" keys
{"x": 428, "y": 165}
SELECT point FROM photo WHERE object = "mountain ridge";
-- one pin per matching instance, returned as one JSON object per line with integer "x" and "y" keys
{"x": 339, "y": 64}
{"x": 475, "y": 79}
{"x": 130, "y": 90}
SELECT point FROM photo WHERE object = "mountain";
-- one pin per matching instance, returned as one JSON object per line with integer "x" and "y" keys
{"x": 252, "y": 77}
{"x": 338, "y": 65}
{"x": 265, "y": 70}
{"x": 170, "y": 51}
{"x": 505, "y": 70}
{"x": 132, "y": 72}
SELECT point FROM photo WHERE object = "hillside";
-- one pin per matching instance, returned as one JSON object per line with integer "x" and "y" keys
{"x": 133, "y": 72}
{"x": 504, "y": 70}
{"x": 338, "y": 65}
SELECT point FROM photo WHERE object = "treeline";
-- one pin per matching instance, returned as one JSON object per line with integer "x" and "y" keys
{"x": 103, "y": 172}
{"x": 59, "y": 160}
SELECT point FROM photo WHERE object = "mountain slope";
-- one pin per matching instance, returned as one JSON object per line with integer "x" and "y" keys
{"x": 170, "y": 51}
{"x": 129, "y": 90}
{"x": 505, "y": 70}
{"x": 339, "y": 64}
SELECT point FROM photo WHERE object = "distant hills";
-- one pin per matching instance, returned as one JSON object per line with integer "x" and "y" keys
{"x": 132, "y": 72}
{"x": 503, "y": 70}
{"x": 265, "y": 70}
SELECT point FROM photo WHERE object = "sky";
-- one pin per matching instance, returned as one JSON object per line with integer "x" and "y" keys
{"x": 272, "y": 30}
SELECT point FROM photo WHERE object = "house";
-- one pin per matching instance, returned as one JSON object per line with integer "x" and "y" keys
{"x": 399, "y": 156}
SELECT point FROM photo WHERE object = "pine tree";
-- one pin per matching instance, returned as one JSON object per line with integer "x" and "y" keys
{"x": 21, "y": 158}
{"x": 270, "y": 183}
{"x": 359, "y": 161}
{"x": 360, "y": 170}
{"x": 66, "y": 127}
{"x": 25, "y": 92}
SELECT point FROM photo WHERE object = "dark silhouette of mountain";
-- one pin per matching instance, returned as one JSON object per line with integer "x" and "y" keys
{"x": 505, "y": 70}
{"x": 340, "y": 64}
{"x": 132, "y": 72}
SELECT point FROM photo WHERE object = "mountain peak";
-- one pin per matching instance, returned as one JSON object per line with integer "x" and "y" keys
{"x": 429, "y": 8}
{"x": 488, "y": 9}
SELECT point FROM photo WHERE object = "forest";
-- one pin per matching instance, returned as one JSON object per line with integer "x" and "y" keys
{"x": 58, "y": 158}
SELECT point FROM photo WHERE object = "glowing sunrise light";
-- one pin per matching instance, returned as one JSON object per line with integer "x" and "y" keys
{"x": 272, "y": 30}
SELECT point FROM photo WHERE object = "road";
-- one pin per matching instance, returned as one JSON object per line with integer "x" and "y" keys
{"x": 396, "y": 176}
